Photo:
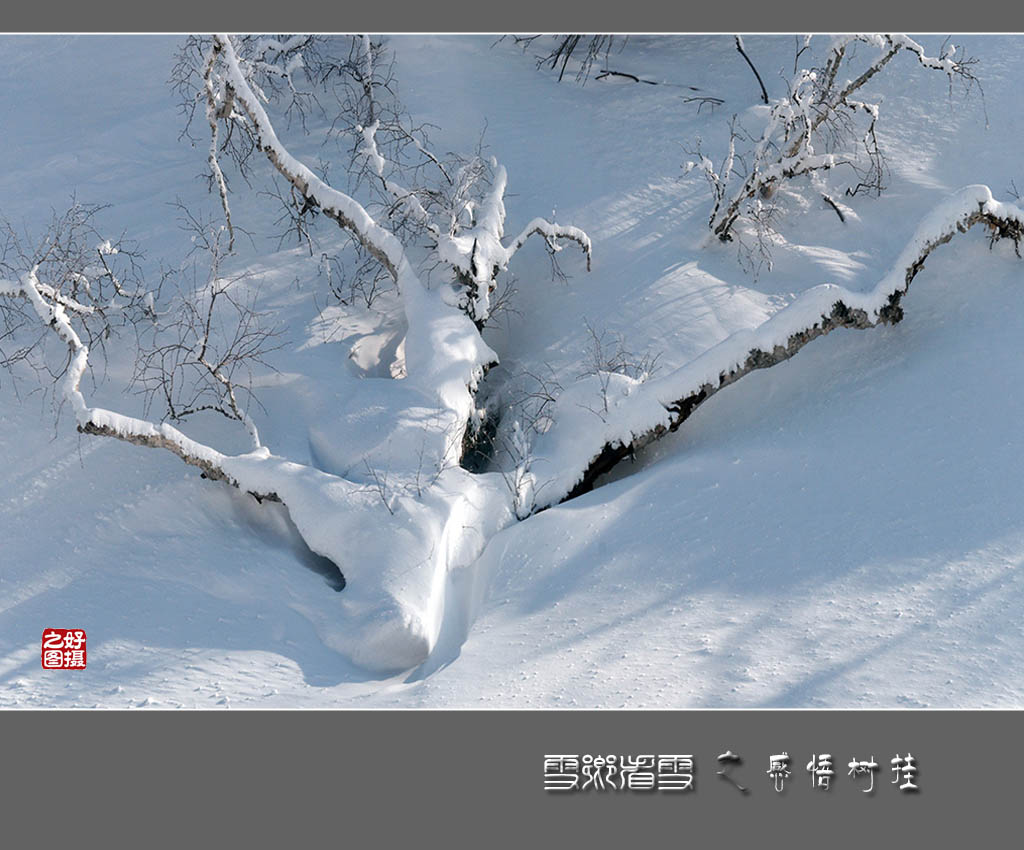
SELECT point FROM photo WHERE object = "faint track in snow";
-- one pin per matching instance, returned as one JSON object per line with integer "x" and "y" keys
{"x": 32, "y": 487}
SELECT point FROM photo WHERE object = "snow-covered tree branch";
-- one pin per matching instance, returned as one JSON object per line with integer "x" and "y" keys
{"x": 81, "y": 303}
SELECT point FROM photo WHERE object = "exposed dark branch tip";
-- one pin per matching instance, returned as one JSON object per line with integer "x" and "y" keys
{"x": 760, "y": 82}
{"x": 828, "y": 200}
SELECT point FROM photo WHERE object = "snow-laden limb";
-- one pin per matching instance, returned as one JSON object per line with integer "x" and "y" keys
{"x": 16, "y": 290}
{"x": 349, "y": 213}
{"x": 395, "y": 556}
{"x": 581, "y": 446}
{"x": 552, "y": 232}
{"x": 212, "y": 114}
{"x": 478, "y": 253}
{"x": 445, "y": 354}
{"x": 951, "y": 63}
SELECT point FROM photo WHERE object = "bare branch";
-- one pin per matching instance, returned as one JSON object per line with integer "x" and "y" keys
{"x": 760, "y": 82}
{"x": 567, "y": 46}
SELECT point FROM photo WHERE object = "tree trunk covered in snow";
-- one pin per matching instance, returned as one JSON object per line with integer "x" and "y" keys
{"x": 397, "y": 528}
{"x": 1002, "y": 222}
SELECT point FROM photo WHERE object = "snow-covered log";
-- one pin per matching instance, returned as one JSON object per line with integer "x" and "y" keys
{"x": 580, "y": 447}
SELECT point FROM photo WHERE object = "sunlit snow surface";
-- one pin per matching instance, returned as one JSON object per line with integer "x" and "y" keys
{"x": 843, "y": 529}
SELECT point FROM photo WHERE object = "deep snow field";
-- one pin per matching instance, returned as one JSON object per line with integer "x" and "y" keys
{"x": 843, "y": 529}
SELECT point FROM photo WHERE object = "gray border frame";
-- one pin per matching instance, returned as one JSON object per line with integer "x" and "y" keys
{"x": 462, "y": 778}
{"x": 410, "y": 16}
{"x": 475, "y": 779}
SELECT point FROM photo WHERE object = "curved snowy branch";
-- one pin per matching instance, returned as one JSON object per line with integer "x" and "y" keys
{"x": 16, "y": 290}
{"x": 478, "y": 253}
{"x": 890, "y": 44}
{"x": 348, "y": 212}
{"x": 212, "y": 115}
{"x": 551, "y": 233}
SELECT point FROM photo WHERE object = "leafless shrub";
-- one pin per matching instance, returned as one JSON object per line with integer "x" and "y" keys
{"x": 516, "y": 472}
{"x": 97, "y": 281}
{"x": 200, "y": 356}
{"x": 586, "y": 49}
{"x": 534, "y": 404}
{"x": 378, "y": 480}
{"x": 607, "y": 352}
{"x": 820, "y": 125}
{"x": 606, "y": 355}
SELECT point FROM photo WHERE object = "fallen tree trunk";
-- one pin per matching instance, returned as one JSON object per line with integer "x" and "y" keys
{"x": 883, "y": 305}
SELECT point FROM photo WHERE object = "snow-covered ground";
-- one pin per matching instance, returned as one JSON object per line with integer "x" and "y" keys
{"x": 842, "y": 529}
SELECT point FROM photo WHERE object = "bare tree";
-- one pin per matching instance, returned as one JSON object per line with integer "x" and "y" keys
{"x": 561, "y": 49}
{"x": 76, "y": 274}
{"x": 202, "y": 355}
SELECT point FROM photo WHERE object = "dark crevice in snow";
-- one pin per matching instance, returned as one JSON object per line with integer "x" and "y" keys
{"x": 318, "y": 564}
{"x": 480, "y": 440}
{"x": 325, "y": 567}
{"x": 273, "y": 524}
{"x": 478, "y": 444}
